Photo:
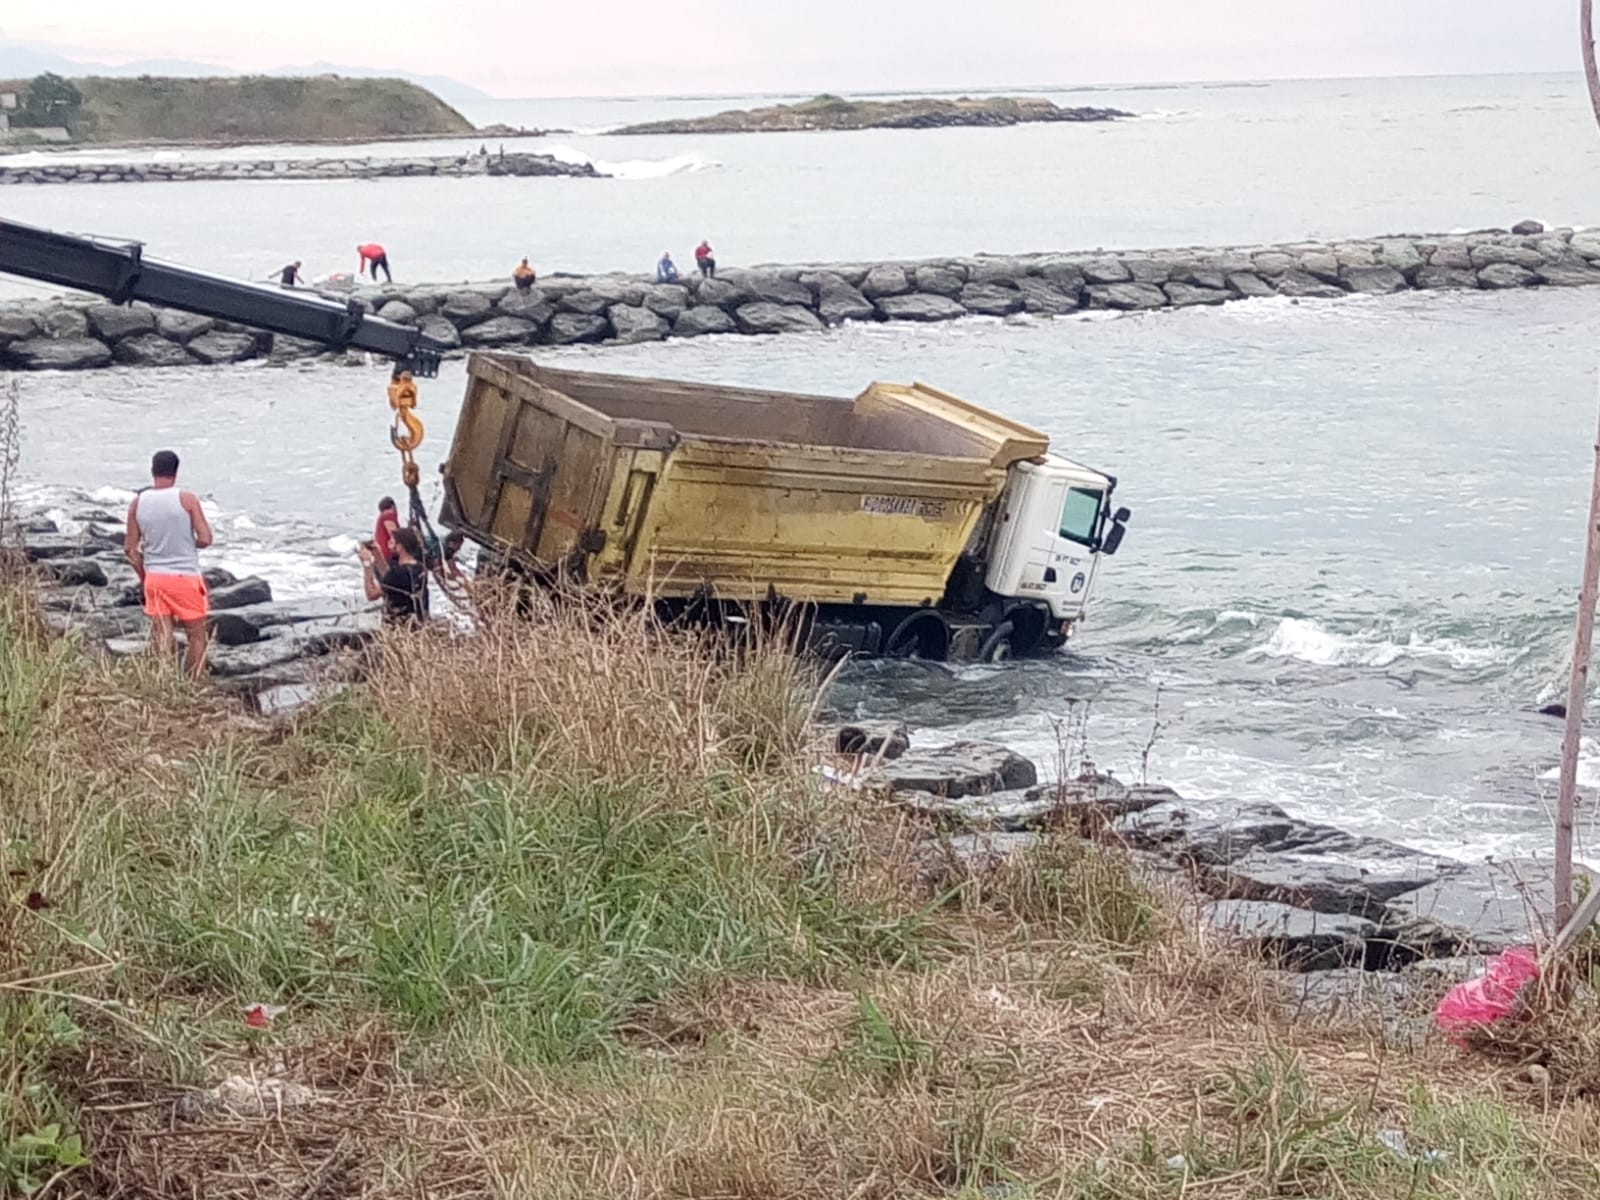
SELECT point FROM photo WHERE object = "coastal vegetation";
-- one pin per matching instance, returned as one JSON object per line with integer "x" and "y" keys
{"x": 827, "y": 112}
{"x": 327, "y": 108}
{"x": 562, "y": 909}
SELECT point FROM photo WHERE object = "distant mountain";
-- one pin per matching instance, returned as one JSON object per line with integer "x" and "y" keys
{"x": 24, "y": 60}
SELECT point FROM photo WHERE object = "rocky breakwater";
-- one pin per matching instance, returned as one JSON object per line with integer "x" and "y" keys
{"x": 274, "y": 655}
{"x": 1307, "y": 897}
{"x": 827, "y": 112}
{"x": 563, "y": 310}
{"x": 465, "y": 166}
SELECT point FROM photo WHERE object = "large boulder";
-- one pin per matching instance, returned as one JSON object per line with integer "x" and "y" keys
{"x": 962, "y": 769}
{"x": 920, "y": 308}
{"x": 1335, "y": 874}
{"x": 1080, "y": 805}
{"x": 399, "y": 312}
{"x": 1446, "y": 278}
{"x": 1046, "y": 299}
{"x": 991, "y": 299}
{"x": 76, "y": 572}
{"x": 1148, "y": 270}
{"x": 464, "y": 309}
{"x": 1322, "y": 264}
{"x": 1483, "y": 908}
{"x": 60, "y": 321}
{"x": 1456, "y": 256}
{"x": 993, "y": 269}
{"x": 937, "y": 280}
{"x": 218, "y": 347}
{"x": 1374, "y": 281}
{"x": 838, "y": 302}
{"x": 1247, "y": 285}
{"x": 1299, "y": 284}
{"x": 702, "y": 318}
{"x": 179, "y": 326}
{"x": 1186, "y": 295}
{"x": 1492, "y": 253}
{"x": 1574, "y": 273}
{"x": 766, "y": 317}
{"x": 884, "y": 740}
{"x": 584, "y": 301}
{"x": 1527, "y": 228}
{"x": 251, "y": 590}
{"x": 500, "y": 331}
{"x": 1128, "y": 297}
{"x": 567, "y": 328}
{"x": 636, "y": 323}
{"x": 1586, "y": 244}
{"x": 1106, "y": 271}
{"x": 723, "y": 293}
{"x": 1066, "y": 273}
{"x": 112, "y": 322}
{"x": 1272, "y": 263}
{"x": 531, "y": 306}
{"x": 1506, "y": 275}
{"x": 667, "y": 300}
{"x": 151, "y": 350}
{"x": 888, "y": 279}
{"x": 1400, "y": 254}
{"x": 58, "y": 354}
{"x": 1292, "y": 937}
{"x": 775, "y": 289}
{"x": 439, "y": 330}
{"x": 17, "y": 327}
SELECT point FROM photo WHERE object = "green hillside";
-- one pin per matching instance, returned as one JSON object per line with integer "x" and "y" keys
{"x": 258, "y": 108}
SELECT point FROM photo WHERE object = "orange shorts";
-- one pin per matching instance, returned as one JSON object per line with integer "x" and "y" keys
{"x": 181, "y": 597}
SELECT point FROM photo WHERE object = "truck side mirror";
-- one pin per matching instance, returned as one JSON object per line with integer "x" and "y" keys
{"x": 1113, "y": 538}
{"x": 1122, "y": 514}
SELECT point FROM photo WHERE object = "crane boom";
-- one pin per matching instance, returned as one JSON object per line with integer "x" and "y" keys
{"x": 119, "y": 271}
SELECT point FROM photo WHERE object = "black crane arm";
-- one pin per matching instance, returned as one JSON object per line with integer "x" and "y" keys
{"x": 120, "y": 272}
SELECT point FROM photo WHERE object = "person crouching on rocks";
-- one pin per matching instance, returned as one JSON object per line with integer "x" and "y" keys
{"x": 666, "y": 269}
{"x": 402, "y": 585}
{"x": 524, "y": 276}
{"x": 706, "y": 259}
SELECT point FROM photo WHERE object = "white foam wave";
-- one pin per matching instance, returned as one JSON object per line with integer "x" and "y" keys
{"x": 637, "y": 168}
{"x": 1305, "y": 641}
{"x": 1588, "y": 765}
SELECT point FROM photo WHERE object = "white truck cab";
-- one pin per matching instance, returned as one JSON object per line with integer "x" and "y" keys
{"x": 1054, "y": 522}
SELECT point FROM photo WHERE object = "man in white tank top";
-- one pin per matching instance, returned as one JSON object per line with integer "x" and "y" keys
{"x": 167, "y": 529}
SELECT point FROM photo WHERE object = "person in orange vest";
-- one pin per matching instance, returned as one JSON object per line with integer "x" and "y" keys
{"x": 376, "y": 256}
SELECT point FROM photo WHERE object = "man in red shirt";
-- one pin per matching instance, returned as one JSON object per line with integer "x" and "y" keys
{"x": 375, "y": 255}
{"x": 705, "y": 258}
{"x": 383, "y": 535}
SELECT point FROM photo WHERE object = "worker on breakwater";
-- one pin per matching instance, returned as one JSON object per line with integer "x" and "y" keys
{"x": 383, "y": 533}
{"x": 166, "y": 530}
{"x": 524, "y": 276}
{"x": 375, "y": 256}
{"x": 290, "y": 275}
{"x": 666, "y": 269}
{"x": 706, "y": 259}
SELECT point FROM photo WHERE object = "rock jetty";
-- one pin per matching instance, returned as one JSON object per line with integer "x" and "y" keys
{"x": 836, "y": 113}
{"x": 563, "y": 310}
{"x": 462, "y": 166}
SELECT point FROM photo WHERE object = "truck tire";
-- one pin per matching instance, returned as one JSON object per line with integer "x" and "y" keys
{"x": 922, "y": 635}
{"x": 997, "y": 647}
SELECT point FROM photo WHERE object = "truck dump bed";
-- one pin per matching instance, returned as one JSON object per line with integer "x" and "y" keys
{"x": 680, "y": 488}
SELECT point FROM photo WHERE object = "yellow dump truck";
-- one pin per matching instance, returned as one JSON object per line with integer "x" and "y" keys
{"x": 902, "y": 522}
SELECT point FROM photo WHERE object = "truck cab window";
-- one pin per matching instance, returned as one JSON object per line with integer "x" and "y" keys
{"x": 1080, "y": 515}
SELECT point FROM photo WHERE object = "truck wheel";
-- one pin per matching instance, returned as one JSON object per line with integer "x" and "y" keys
{"x": 997, "y": 646}
{"x": 923, "y": 635}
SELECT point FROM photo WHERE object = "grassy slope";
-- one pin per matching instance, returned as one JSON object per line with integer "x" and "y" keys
{"x": 561, "y": 911}
{"x": 324, "y": 108}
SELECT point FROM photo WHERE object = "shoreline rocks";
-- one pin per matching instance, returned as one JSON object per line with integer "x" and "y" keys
{"x": 458, "y": 166}
{"x": 72, "y": 333}
{"x": 825, "y": 113}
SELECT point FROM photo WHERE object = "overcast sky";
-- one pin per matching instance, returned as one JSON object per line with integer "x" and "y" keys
{"x": 534, "y": 47}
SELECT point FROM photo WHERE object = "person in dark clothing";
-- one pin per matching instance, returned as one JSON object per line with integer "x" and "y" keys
{"x": 290, "y": 275}
{"x": 403, "y": 586}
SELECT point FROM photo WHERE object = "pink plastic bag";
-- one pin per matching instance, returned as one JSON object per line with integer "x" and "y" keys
{"x": 1488, "y": 999}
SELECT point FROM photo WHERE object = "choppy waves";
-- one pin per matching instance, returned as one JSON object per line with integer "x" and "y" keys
{"x": 637, "y": 168}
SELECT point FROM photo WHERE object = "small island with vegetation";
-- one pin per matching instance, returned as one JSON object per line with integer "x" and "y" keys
{"x": 251, "y": 108}
{"x": 835, "y": 113}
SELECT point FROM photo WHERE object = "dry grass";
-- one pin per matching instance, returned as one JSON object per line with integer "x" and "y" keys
{"x": 560, "y": 910}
